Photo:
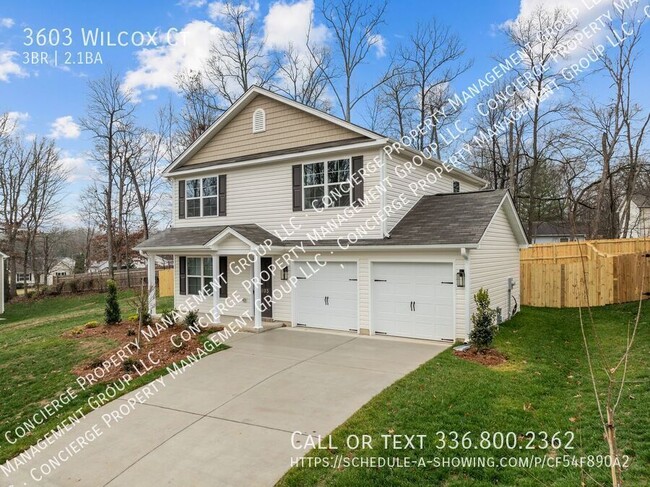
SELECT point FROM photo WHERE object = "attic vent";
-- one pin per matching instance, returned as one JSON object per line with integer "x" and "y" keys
{"x": 259, "y": 121}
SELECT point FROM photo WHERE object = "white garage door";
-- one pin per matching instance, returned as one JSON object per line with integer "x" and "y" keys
{"x": 413, "y": 300}
{"x": 326, "y": 297}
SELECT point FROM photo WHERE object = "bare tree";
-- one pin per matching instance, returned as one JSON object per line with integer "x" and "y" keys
{"x": 540, "y": 50}
{"x": 355, "y": 27}
{"x": 432, "y": 60}
{"x": 108, "y": 115}
{"x": 303, "y": 77}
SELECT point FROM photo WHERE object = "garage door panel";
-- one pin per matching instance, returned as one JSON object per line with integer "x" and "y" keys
{"x": 413, "y": 299}
{"x": 327, "y": 297}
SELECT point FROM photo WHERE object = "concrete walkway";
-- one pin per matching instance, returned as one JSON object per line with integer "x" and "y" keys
{"x": 228, "y": 420}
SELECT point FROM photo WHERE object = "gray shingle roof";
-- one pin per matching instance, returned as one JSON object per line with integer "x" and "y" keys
{"x": 199, "y": 236}
{"x": 441, "y": 219}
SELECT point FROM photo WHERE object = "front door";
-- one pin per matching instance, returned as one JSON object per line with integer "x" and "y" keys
{"x": 267, "y": 287}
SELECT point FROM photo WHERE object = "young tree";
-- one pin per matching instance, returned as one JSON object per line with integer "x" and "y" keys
{"x": 484, "y": 327}
{"x": 112, "y": 312}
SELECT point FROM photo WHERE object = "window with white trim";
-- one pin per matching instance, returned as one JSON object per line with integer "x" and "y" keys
{"x": 199, "y": 274}
{"x": 326, "y": 184}
{"x": 202, "y": 197}
{"x": 259, "y": 120}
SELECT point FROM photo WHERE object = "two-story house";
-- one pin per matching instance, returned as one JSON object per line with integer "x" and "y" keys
{"x": 352, "y": 231}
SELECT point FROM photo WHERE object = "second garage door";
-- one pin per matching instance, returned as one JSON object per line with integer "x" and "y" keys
{"x": 413, "y": 300}
{"x": 326, "y": 297}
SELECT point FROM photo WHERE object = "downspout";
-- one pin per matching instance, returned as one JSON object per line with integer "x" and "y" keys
{"x": 382, "y": 199}
{"x": 468, "y": 289}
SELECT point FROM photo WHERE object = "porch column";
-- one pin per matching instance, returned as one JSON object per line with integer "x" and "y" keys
{"x": 257, "y": 286}
{"x": 151, "y": 282}
{"x": 216, "y": 288}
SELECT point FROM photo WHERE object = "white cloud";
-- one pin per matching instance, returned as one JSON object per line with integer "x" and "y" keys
{"x": 65, "y": 128}
{"x": 159, "y": 66}
{"x": 288, "y": 24}
{"x": 9, "y": 67}
{"x": 379, "y": 43}
{"x": 77, "y": 167}
{"x": 217, "y": 10}
{"x": 192, "y": 3}
{"x": 16, "y": 120}
{"x": 7, "y": 22}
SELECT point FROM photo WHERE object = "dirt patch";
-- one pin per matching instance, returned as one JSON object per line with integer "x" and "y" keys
{"x": 490, "y": 357}
{"x": 155, "y": 352}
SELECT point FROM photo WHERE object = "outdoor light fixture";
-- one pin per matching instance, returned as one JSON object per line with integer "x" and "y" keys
{"x": 460, "y": 278}
{"x": 285, "y": 273}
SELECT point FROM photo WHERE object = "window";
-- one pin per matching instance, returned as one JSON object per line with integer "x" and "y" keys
{"x": 456, "y": 187}
{"x": 201, "y": 197}
{"x": 259, "y": 121}
{"x": 564, "y": 239}
{"x": 199, "y": 274}
{"x": 326, "y": 184}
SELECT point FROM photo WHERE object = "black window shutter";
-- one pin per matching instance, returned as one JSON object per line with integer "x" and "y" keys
{"x": 181, "y": 199}
{"x": 182, "y": 273}
{"x": 357, "y": 181}
{"x": 223, "y": 271}
{"x": 222, "y": 195}
{"x": 297, "y": 187}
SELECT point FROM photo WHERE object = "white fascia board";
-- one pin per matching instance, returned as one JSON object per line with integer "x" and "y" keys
{"x": 228, "y": 232}
{"x": 279, "y": 158}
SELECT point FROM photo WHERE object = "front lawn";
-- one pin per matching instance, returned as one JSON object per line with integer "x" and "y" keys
{"x": 37, "y": 357}
{"x": 544, "y": 387}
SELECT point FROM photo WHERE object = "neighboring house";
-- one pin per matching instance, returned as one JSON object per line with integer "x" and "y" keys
{"x": 161, "y": 263}
{"x": 98, "y": 267}
{"x": 553, "y": 232}
{"x": 271, "y": 174}
{"x": 27, "y": 279}
{"x": 639, "y": 216}
{"x": 63, "y": 267}
{"x": 3, "y": 257}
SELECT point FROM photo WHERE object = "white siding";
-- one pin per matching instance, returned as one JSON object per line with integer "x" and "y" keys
{"x": 263, "y": 195}
{"x": 411, "y": 180}
{"x": 496, "y": 259}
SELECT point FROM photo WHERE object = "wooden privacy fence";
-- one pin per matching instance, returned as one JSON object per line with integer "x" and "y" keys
{"x": 96, "y": 281}
{"x": 615, "y": 271}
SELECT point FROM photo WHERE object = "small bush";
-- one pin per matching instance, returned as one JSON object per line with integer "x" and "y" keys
{"x": 167, "y": 317}
{"x": 191, "y": 318}
{"x": 73, "y": 286}
{"x": 29, "y": 294}
{"x": 130, "y": 332}
{"x": 482, "y": 333}
{"x": 112, "y": 311}
{"x": 77, "y": 330}
{"x": 91, "y": 324}
{"x": 179, "y": 346}
{"x": 146, "y": 318}
{"x": 128, "y": 365}
{"x": 133, "y": 318}
{"x": 96, "y": 363}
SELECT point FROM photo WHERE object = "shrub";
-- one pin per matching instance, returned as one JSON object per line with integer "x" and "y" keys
{"x": 29, "y": 294}
{"x": 130, "y": 332}
{"x": 484, "y": 328}
{"x": 191, "y": 318}
{"x": 91, "y": 324}
{"x": 167, "y": 317}
{"x": 112, "y": 311}
{"x": 128, "y": 365}
{"x": 133, "y": 318}
{"x": 77, "y": 330}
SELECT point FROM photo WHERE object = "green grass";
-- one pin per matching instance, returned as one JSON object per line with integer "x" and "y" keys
{"x": 545, "y": 386}
{"x": 35, "y": 360}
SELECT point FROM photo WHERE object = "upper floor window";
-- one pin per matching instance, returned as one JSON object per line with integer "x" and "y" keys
{"x": 202, "y": 197}
{"x": 259, "y": 120}
{"x": 326, "y": 184}
{"x": 456, "y": 187}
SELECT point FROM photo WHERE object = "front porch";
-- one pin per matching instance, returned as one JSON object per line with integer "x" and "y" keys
{"x": 229, "y": 279}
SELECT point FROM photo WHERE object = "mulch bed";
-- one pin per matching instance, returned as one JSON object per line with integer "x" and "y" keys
{"x": 124, "y": 333}
{"x": 488, "y": 357}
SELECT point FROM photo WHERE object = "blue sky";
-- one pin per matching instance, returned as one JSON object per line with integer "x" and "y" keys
{"x": 48, "y": 100}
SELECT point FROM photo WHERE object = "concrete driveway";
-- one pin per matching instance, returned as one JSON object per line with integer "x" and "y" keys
{"x": 228, "y": 419}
